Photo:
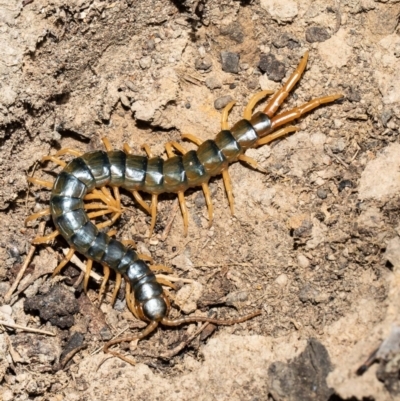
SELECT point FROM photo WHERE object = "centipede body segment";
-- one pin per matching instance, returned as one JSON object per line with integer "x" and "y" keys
{"x": 88, "y": 175}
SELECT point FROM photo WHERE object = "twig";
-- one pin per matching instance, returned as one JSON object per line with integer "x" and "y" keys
{"x": 168, "y": 226}
{"x": 78, "y": 263}
{"x": 24, "y": 328}
{"x": 26, "y": 263}
{"x": 175, "y": 279}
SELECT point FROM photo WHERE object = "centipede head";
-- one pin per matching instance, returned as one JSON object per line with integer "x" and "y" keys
{"x": 154, "y": 309}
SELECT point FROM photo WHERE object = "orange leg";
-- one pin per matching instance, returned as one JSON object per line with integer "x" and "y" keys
{"x": 251, "y": 162}
{"x": 224, "y": 115}
{"x": 181, "y": 195}
{"x": 118, "y": 280}
{"x": 46, "y": 239}
{"x": 89, "y": 265}
{"x": 141, "y": 202}
{"x": 210, "y": 207}
{"x": 184, "y": 211}
{"x": 69, "y": 151}
{"x": 154, "y": 202}
{"x": 55, "y": 160}
{"x": 102, "y": 290}
{"x": 248, "y": 111}
{"x": 164, "y": 281}
{"x": 44, "y": 212}
{"x": 192, "y": 138}
{"x": 146, "y": 148}
{"x": 43, "y": 183}
{"x": 228, "y": 188}
{"x": 275, "y": 135}
{"x": 66, "y": 259}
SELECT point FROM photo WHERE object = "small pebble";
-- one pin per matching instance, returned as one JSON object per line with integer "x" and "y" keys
{"x": 303, "y": 261}
{"x": 274, "y": 69}
{"x": 281, "y": 280}
{"x": 230, "y": 62}
{"x": 317, "y": 34}
{"x": 125, "y": 101}
{"x": 203, "y": 63}
{"x": 345, "y": 184}
{"x": 221, "y": 102}
{"x": 321, "y": 193}
{"x": 213, "y": 83}
{"x": 145, "y": 62}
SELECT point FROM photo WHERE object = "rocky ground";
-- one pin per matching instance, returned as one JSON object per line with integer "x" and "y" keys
{"x": 315, "y": 239}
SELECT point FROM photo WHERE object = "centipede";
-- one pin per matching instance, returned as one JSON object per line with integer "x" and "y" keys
{"x": 88, "y": 177}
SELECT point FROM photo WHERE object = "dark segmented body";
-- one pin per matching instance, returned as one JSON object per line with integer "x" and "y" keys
{"x": 139, "y": 173}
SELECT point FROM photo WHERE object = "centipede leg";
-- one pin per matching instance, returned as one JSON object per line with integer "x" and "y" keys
{"x": 248, "y": 111}
{"x": 55, "y": 160}
{"x": 146, "y": 148}
{"x": 117, "y": 286}
{"x": 210, "y": 207}
{"x": 43, "y": 183}
{"x": 224, "y": 115}
{"x": 164, "y": 281}
{"x": 45, "y": 239}
{"x": 192, "y": 138}
{"x": 130, "y": 301}
{"x": 69, "y": 151}
{"x": 141, "y": 202}
{"x": 66, "y": 259}
{"x": 34, "y": 216}
{"x": 184, "y": 211}
{"x": 228, "y": 188}
{"x": 251, "y": 162}
{"x": 89, "y": 265}
{"x": 154, "y": 202}
{"x": 276, "y": 135}
{"x": 106, "y": 276}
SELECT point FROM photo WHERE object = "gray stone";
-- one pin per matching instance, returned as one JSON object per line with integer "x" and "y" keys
{"x": 221, "y": 102}
{"x": 230, "y": 62}
{"x": 317, "y": 34}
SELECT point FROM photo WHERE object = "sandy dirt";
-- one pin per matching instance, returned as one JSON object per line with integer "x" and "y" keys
{"x": 315, "y": 238}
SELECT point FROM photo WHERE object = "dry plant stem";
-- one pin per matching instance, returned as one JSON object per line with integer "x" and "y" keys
{"x": 28, "y": 329}
{"x": 28, "y": 259}
{"x": 168, "y": 226}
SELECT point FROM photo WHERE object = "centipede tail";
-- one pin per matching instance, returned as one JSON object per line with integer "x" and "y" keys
{"x": 87, "y": 176}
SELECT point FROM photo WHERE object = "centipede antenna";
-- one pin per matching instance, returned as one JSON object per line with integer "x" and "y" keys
{"x": 220, "y": 322}
{"x": 150, "y": 328}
